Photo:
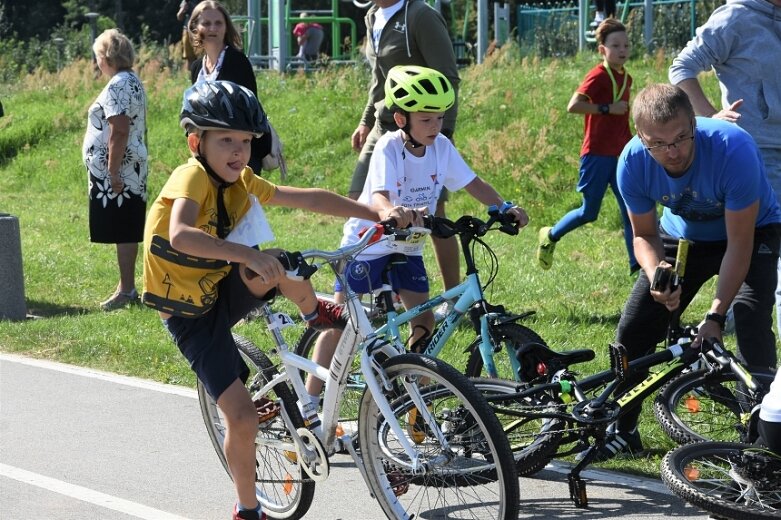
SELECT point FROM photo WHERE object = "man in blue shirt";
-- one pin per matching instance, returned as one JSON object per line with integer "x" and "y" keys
{"x": 709, "y": 178}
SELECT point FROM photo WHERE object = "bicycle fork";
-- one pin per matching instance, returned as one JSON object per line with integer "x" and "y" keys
{"x": 377, "y": 381}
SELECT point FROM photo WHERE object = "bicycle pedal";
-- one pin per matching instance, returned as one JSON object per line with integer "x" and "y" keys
{"x": 577, "y": 491}
{"x": 619, "y": 361}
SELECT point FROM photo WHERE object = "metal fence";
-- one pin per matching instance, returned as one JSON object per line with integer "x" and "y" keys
{"x": 552, "y": 29}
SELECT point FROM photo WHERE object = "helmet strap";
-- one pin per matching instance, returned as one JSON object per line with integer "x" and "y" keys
{"x": 223, "y": 220}
{"x": 407, "y": 129}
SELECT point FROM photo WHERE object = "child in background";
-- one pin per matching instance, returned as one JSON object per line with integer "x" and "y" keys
{"x": 603, "y": 97}
{"x": 202, "y": 284}
{"x": 309, "y": 37}
{"x": 409, "y": 167}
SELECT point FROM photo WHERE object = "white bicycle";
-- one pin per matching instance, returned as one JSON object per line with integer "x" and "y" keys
{"x": 453, "y": 461}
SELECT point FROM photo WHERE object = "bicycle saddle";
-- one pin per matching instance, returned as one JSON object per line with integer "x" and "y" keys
{"x": 538, "y": 360}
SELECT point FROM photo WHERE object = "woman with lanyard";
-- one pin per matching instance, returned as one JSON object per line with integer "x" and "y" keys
{"x": 214, "y": 34}
{"x": 603, "y": 97}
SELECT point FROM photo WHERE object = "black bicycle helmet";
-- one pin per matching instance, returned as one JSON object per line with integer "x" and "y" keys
{"x": 222, "y": 105}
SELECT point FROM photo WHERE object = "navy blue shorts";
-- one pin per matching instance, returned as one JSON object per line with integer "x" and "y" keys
{"x": 207, "y": 342}
{"x": 363, "y": 276}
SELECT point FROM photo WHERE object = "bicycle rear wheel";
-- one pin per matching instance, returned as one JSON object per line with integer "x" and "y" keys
{"x": 697, "y": 406}
{"x": 712, "y": 476}
{"x": 533, "y": 439}
{"x": 507, "y": 338}
{"x": 282, "y": 488}
{"x": 474, "y": 477}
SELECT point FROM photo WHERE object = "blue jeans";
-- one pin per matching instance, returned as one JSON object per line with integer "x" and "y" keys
{"x": 597, "y": 172}
{"x": 644, "y": 322}
{"x": 772, "y": 159}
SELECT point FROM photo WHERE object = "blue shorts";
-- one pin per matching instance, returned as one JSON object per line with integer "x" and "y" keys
{"x": 363, "y": 276}
{"x": 207, "y": 341}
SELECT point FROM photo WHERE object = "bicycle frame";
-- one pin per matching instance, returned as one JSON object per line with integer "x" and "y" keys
{"x": 465, "y": 295}
{"x": 357, "y": 337}
{"x": 565, "y": 387}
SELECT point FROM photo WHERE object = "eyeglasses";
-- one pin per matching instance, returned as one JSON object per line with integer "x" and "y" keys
{"x": 675, "y": 144}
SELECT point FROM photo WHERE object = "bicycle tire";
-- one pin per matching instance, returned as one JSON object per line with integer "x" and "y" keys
{"x": 282, "y": 488}
{"x": 703, "y": 474}
{"x": 476, "y": 478}
{"x": 353, "y": 389}
{"x": 534, "y": 441}
{"x": 698, "y": 406}
{"x": 509, "y": 336}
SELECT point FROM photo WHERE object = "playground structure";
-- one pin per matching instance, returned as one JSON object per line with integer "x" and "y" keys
{"x": 269, "y": 44}
{"x": 268, "y": 39}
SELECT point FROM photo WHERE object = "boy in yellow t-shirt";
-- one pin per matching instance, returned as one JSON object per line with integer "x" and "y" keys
{"x": 198, "y": 281}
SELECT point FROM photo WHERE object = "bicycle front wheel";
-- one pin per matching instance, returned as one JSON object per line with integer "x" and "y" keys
{"x": 507, "y": 338}
{"x": 698, "y": 406}
{"x": 473, "y": 476}
{"x": 715, "y": 477}
{"x": 281, "y": 486}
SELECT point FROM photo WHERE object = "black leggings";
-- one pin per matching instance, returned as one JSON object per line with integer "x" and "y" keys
{"x": 770, "y": 433}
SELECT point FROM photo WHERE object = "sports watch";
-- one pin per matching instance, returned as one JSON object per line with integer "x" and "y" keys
{"x": 718, "y": 318}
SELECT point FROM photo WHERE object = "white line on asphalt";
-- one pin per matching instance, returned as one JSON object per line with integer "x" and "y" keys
{"x": 87, "y": 495}
{"x": 104, "y": 376}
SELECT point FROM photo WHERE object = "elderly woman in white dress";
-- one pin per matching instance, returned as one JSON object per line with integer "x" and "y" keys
{"x": 115, "y": 155}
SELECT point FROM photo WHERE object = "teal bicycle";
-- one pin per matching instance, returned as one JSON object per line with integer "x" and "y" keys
{"x": 498, "y": 335}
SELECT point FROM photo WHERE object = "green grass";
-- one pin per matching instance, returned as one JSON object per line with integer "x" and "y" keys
{"x": 512, "y": 128}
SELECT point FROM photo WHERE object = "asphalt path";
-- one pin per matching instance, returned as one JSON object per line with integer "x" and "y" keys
{"x": 79, "y": 444}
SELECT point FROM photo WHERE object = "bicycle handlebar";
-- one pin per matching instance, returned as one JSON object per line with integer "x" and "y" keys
{"x": 297, "y": 267}
{"x": 442, "y": 227}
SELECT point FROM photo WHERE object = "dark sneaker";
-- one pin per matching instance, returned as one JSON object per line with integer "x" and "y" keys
{"x": 247, "y": 515}
{"x": 329, "y": 316}
{"x": 267, "y": 409}
{"x": 617, "y": 442}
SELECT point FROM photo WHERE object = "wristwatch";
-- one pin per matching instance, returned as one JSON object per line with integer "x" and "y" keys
{"x": 604, "y": 109}
{"x": 718, "y": 318}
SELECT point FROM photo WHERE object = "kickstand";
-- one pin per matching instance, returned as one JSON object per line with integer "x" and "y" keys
{"x": 577, "y": 486}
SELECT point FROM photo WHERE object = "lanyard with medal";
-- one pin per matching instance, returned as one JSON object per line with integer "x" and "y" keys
{"x": 604, "y": 108}
{"x": 617, "y": 94}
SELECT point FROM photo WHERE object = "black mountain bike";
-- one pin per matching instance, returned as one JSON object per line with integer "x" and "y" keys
{"x": 554, "y": 412}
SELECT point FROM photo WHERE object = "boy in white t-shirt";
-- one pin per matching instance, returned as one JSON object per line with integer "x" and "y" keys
{"x": 409, "y": 167}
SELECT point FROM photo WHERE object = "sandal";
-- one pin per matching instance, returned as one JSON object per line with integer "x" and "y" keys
{"x": 119, "y": 299}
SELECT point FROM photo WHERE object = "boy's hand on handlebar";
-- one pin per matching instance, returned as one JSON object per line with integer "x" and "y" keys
{"x": 520, "y": 215}
{"x": 266, "y": 268}
{"x": 404, "y": 217}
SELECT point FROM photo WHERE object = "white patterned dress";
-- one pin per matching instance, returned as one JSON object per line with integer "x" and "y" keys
{"x": 117, "y": 219}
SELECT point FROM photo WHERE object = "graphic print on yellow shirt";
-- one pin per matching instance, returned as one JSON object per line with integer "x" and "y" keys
{"x": 181, "y": 284}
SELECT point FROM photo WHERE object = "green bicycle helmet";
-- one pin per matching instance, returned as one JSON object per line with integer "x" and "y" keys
{"x": 418, "y": 89}
{"x": 222, "y": 105}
